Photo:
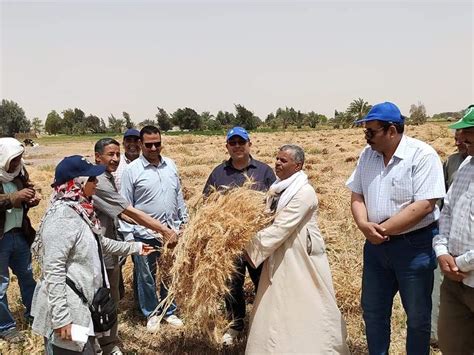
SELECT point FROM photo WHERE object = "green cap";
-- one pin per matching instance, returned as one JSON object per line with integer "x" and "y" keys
{"x": 467, "y": 120}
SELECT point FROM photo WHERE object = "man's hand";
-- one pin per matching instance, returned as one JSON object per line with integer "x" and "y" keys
{"x": 64, "y": 332}
{"x": 24, "y": 195}
{"x": 449, "y": 268}
{"x": 146, "y": 249}
{"x": 171, "y": 238}
{"x": 373, "y": 232}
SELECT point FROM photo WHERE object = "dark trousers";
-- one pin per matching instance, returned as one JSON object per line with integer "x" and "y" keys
{"x": 235, "y": 301}
{"x": 404, "y": 264}
{"x": 456, "y": 318}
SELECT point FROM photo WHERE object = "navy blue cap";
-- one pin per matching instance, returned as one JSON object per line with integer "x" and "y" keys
{"x": 238, "y": 131}
{"x": 131, "y": 132}
{"x": 75, "y": 166}
{"x": 386, "y": 111}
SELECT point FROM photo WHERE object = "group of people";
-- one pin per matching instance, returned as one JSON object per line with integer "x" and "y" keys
{"x": 132, "y": 203}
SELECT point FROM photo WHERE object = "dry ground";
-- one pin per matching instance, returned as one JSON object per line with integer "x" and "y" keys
{"x": 331, "y": 156}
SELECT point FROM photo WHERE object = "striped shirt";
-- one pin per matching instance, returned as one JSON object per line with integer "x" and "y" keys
{"x": 413, "y": 173}
{"x": 456, "y": 230}
{"x": 124, "y": 161}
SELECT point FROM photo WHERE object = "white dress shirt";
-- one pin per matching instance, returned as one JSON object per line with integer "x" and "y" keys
{"x": 456, "y": 231}
{"x": 414, "y": 173}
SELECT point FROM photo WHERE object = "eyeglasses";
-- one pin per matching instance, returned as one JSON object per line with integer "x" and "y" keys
{"x": 370, "y": 133}
{"x": 151, "y": 144}
{"x": 234, "y": 143}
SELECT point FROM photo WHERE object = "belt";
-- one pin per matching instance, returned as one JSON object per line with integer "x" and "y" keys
{"x": 420, "y": 230}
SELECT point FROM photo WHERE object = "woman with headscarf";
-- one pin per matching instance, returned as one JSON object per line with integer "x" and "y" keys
{"x": 295, "y": 308}
{"x": 70, "y": 248}
{"x": 16, "y": 234}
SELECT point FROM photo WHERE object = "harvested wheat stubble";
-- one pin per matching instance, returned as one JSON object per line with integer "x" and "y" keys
{"x": 204, "y": 257}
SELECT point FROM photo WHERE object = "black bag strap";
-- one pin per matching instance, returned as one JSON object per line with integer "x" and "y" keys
{"x": 73, "y": 287}
{"x": 102, "y": 266}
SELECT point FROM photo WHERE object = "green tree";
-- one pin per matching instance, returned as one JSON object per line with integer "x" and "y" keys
{"x": 115, "y": 124}
{"x": 246, "y": 118}
{"x": 12, "y": 119}
{"x": 128, "y": 120}
{"x": 225, "y": 119}
{"x": 53, "y": 123}
{"x": 147, "y": 122}
{"x": 163, "y": 119}
{"x": 312, "y": 119}
{"x": 417, "y": 114}
{"x": 358, "y": 108}
{"x": 72, "y": 118}
{"x": 92, "y": 124}
{"x": 187, "y": 118}
{"x": 287, "y": 116}
{"x": 37, "y": 125}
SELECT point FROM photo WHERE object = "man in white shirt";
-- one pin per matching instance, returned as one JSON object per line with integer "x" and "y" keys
{"x": 131, "y": 145}
{"x": 395, "y": 187}
{"x": 454, "y": 247}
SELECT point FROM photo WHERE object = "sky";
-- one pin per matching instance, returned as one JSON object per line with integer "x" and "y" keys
{"x": 106, "y": 57}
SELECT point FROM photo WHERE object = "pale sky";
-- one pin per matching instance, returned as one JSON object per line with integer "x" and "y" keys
{"x": 111, "y": 56}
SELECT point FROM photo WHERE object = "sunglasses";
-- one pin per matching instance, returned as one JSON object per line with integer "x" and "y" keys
{"x": 234, "y": 143}
{"x": 151, "y": 144}
{"x": 370, "y": 133}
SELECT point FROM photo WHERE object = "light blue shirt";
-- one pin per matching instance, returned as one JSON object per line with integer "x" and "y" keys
{"x": 155, "y": 190}
{"x": 13, "y": 216}
{"x": 413, "y": 173}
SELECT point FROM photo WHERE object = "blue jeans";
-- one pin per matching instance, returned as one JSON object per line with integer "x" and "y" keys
{"x": 144, "y": 280}
{"x": 15, "y": 254}
{"x": 404, "y": 264}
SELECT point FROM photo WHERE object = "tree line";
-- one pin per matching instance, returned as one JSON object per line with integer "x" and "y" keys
{"x": 75, "y": 121}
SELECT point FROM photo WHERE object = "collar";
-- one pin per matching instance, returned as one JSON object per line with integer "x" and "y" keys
{"x": 146, "y": 163}
{"x": 402, "y": 148}
{"x": 252, "y": 164}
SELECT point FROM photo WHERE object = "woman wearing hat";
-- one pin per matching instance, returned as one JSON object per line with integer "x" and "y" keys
{"x": 70, "y": 247}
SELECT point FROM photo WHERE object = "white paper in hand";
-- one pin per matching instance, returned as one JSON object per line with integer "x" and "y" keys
{"x": 79, "y": 333}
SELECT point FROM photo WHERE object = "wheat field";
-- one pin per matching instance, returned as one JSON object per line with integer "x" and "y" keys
{"x": 331, "y": 156}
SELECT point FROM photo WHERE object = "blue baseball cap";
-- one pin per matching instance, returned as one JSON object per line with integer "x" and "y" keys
{"x": 238, "y": 131}
{"x": 386, "y": 111}
{"x": 75, "y": 166}
{"x": 131, "y": 132}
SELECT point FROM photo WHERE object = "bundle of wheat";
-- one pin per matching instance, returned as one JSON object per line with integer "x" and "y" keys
{"x": 204, "y": 257}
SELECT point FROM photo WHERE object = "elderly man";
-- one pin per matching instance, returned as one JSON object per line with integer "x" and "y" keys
{"x": 110, "y": 205}
{"x": 16, "y": 234}
{"x": 151, "y": 183}
{"x": 450, "y": 167}
{"x": 395, "y": 187}
{"x": 231, "y": 173}
{"x": 131, "y": 145}
{"x": 454, "y": 247}
{"x": 295, "y": 309}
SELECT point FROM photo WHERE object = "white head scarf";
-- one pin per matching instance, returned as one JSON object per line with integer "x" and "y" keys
{"x": 10, "y": 148}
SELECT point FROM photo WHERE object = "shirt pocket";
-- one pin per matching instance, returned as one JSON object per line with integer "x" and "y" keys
{"x": 401, "y": 190}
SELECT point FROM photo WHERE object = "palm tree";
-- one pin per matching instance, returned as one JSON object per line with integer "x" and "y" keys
{"x": 359, "y": 108}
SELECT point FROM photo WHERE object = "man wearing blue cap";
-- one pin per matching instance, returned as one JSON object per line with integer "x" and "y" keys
{"x": 233, "y": 173}
{"x": 454, "y": 247}
{"x": 395, "y": 187}
{"x": 131, "y": 145}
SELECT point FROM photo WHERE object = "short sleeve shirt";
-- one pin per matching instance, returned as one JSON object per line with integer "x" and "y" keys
{"x": 108, "y": 204}
{"x": 226, "y": 175}
{"x": 413, "y": 173}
